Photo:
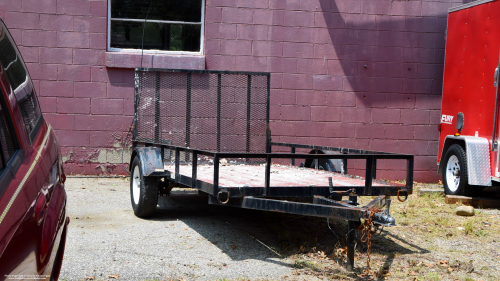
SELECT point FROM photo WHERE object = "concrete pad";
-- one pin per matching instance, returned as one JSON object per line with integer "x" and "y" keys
{"x": 430, "y": 191}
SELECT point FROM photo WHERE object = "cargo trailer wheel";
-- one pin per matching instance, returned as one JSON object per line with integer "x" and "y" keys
{"x": 143, "y": 191}
{"x": 455, "y": 179}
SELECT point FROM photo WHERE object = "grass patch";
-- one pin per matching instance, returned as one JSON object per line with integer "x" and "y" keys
{"x": 469, "y": 226}
{"x": 300, "y": 264}
{"x": 434, "y": 276}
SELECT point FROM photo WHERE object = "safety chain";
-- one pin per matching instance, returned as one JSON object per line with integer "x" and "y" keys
{"x": 366, "y": 227}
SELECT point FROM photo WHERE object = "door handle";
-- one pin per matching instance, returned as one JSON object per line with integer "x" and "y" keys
{"x": 495, "y": 83}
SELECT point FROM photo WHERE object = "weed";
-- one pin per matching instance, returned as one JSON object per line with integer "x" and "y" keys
{"x": 481, "y": 232}
{"x": 430, "y": 276}
{"x": 412, "y": 262}
{"x": 469, "y": 226}
{"x": 300, "y": 264}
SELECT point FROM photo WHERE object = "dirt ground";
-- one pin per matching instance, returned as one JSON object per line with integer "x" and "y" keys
{"x": 430, "y": 242}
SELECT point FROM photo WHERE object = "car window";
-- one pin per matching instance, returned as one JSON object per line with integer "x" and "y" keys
{"x": 20, "y": 82}
{"x": 7, "y": 147}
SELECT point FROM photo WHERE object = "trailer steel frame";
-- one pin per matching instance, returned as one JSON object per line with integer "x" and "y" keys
{"x": 267, "y": 197}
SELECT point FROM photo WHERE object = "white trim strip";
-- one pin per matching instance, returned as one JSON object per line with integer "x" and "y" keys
{"x": 108, "y": 21}
{"x": 153, "y": 51}
{"x": 158, "y": 21}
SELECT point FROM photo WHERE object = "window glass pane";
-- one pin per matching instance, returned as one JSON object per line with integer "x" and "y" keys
{"x": 11, "y": 62}
{"x": 13, "y": 65}
{"x": 157, "y": 36}
{"x": 6, "y": 143}
{"x": 167, "y": 10}
{"x": 29, "y": 111}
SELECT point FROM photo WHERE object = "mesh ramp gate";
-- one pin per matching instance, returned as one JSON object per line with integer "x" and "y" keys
{"x": 217, "y": 111}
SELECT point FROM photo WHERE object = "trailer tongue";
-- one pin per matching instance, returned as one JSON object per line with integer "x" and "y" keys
{"x": 209, "y": 130}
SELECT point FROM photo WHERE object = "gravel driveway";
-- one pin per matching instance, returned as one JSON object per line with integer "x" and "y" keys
{"x": 186, "y": 239}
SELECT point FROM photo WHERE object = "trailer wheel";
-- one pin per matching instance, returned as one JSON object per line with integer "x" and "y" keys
{"x": 323, "y": 164}
{"x": 455, "y": 179}
{"x": 143, "y": 191}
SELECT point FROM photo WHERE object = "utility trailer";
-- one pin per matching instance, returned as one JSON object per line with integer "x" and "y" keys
{"x": 209, "y": 130}
{"x": 468, "y": 155}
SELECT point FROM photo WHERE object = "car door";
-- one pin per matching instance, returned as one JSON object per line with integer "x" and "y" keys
{"x": 32, "y": 199}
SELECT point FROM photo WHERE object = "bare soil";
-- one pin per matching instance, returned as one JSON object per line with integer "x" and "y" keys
{"x": 430, "y": 242}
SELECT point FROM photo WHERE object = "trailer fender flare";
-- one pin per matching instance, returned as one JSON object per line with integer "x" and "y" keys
{"x": 151, "y": 161}
{"x": 478, "y": 158}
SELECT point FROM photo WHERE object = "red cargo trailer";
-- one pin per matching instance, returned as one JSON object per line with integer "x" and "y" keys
{"x": 469, "y": 127}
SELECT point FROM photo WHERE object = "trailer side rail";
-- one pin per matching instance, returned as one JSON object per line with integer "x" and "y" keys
{"x": 297, "y": 191}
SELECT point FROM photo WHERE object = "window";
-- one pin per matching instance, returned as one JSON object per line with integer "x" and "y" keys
{"x": 7, "y": 147}
{"x": 171, "y": 26}
{"x": 11, "y": 156}
{"x": 6, "y": 144}
{"x": 20, "y": 83}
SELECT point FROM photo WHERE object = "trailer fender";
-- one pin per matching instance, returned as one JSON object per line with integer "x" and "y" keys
{"x": 151, "y": 161}
{"x": 478, "y": 158}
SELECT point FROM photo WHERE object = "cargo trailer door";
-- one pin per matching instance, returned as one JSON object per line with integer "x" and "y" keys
{"x": 496, "y": 128}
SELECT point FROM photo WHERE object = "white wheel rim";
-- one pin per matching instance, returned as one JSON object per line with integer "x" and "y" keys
{"x": 136, "y": 185}
{"x": 453, "y": 173}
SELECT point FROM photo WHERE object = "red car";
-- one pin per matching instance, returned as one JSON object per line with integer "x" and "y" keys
{"x": 33, "y": 222}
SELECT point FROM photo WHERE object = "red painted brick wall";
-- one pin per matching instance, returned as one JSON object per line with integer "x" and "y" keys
{"x": 360, "y": 74}
{"x": 64, "y": 46}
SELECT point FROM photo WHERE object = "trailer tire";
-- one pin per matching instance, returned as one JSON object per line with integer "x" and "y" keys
{"x": 143, "y": 191}
{"x": 455, "y": 179}
{"x": 323, "y": 164}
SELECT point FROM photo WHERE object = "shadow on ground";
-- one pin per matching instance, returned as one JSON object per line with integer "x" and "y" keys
{"x": 281, "y": 235}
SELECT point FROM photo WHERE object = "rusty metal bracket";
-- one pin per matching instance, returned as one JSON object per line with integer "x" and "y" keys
{"x": 406, "y": 195}
{"x": 334, "y": 193}
{"x": 227, "y": 196}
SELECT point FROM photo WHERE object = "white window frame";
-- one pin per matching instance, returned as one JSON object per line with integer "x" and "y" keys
{"x": 122, "y": 50}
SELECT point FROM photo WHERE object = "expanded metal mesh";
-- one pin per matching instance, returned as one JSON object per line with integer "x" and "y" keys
{"x": 206, "y": 110}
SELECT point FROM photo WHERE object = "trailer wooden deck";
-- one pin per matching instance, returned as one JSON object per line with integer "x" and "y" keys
{"x": 244, "y": 175}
